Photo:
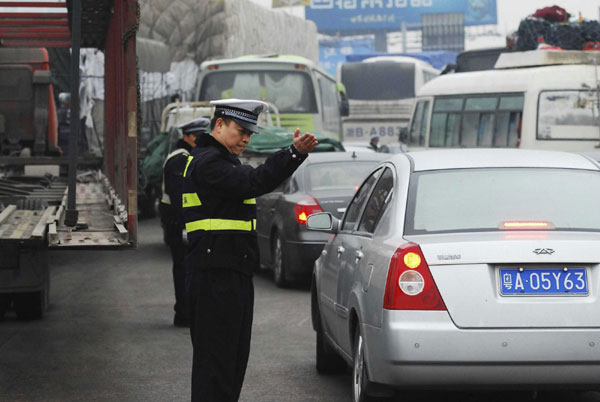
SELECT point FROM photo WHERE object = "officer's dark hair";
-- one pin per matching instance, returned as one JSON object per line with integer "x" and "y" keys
{"x": 213, "y": 122}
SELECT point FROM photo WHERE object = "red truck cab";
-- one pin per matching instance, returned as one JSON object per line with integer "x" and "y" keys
{"x": 27, "y": 108}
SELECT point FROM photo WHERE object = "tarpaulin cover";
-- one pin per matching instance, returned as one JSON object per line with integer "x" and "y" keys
{"x": 269, "y": 140}
{"x": 272, "y": 139}
{"x": 438, "y": 58}
{"x": 215, "y": 29}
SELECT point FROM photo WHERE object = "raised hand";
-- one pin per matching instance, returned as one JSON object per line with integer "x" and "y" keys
{"x": 305, "y": 143}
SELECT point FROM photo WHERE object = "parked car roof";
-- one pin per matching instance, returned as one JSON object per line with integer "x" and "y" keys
{"x": 485, "y": 158}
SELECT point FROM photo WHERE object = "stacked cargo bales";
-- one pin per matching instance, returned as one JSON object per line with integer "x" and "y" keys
{"x": 206, "y": 30}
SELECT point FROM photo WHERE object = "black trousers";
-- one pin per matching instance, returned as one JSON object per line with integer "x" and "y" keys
{"x": 221, "y": 308}
{"x": 178, "y": 255}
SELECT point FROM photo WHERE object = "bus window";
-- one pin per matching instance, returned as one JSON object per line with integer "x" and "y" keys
{"x": 291, "y": 91}
{"x": 329, "y": 102}
{"x": 567, "y": 115}
{"x": 419, "y": 124}
{"x": 445, "y": 122}
{"x": 371, "y": 81}
{"x": 485, "y": 121}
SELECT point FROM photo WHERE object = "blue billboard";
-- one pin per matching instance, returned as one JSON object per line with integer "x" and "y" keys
{"x": 388, "y": 15}
{"x": 333, "y": 52}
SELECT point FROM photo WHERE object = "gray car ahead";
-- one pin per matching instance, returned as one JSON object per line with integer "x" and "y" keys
{"x": 326, "y": 181}
{"x": 464, "y": 268}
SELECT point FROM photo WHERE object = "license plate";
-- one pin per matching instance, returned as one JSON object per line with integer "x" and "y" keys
{"x": 366, "y": 132}
{"x": 518, "y": 281}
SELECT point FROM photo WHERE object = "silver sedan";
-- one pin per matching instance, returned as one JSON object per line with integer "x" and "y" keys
{"x": 464, "y": 268}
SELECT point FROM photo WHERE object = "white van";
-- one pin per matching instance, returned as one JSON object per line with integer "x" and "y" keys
{"x": 537, "y": 99}
{"x": 381, "y": 94}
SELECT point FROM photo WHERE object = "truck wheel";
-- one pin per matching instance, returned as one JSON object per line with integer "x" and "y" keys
{"x": 31, "y": 305}
{"x": 279, "y": 262}
{"x": 4, "y": 305}
{"x": 328, "y": 361}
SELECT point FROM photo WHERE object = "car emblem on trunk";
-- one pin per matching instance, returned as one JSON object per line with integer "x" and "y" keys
{"x": 540, "y": 251}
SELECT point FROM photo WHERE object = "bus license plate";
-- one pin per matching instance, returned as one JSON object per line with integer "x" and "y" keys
{"x": 518, "y": 282}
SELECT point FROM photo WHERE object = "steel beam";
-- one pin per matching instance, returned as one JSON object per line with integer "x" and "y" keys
{"x": 36, "y": 4}
{"x": 71, "y": 213}
{"x": 34, "y": 43}
{"x": 37, "y": 22}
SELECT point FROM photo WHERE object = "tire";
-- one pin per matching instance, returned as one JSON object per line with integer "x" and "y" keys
{"x": 328, "y": 361}
{"x": 361, "y": 386}
{"x": 279, "y": 264}
{"x": 31, "y": 305}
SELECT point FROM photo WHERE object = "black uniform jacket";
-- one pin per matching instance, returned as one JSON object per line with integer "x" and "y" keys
{"x": 173, "y": 177}
{"x": 226, "y": 188}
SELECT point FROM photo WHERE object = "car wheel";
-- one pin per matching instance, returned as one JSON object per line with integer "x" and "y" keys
{"x": 328, "y": 361}
{"x": 31, "y": 305}
{"x": 360, "y": 379}
{"x": 279, "y": 262}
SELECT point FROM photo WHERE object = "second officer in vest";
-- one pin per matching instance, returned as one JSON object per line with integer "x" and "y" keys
{"x": 219, "y": 210}
{"x": 170, "y": 209}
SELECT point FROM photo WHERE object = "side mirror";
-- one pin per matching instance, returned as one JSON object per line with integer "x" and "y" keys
{"x": 322, "y": 221}
{"x": 344, "y": 105}
{"x": 404, "y": 135}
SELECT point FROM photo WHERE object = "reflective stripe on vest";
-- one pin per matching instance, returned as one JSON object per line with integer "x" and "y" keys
{"x": 190, "y": 159}
{"x": 179, "y": 151}
{"x": 190, "y": 200}
{"x": 220, "y": 224}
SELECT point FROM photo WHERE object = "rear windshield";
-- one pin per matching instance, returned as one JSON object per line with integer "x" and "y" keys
{"x": 473, "y": 200}
{"x": 382, "y": 80}
{"x": 337, "y": 175}
{"x": 291, "y": 92}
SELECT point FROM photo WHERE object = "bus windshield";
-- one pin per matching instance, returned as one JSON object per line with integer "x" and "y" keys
{"x": 382, "y": 80}
{"x": 290, "y": 91}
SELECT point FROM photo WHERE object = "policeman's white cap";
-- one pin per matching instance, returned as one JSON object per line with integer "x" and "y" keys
{"x": 197, "y": 126}
{"x": 244, "y": 111}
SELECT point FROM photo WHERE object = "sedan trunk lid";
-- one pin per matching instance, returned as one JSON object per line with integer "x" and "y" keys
{"x": 466, "y": 269}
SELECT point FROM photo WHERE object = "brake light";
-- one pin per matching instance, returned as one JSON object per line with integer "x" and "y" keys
{"x": 526, "y": 225}
{"x": 410, "y": 285}
{"x": 304, "y": 208}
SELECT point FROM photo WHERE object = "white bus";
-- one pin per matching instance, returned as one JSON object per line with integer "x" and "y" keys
{"x": 305, "y": 95}
{"x": 536, "y": 99}
{"x": 381, "y": 92}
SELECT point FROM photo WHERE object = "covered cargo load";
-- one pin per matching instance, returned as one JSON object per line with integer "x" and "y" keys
{"x": 216, "y": 29}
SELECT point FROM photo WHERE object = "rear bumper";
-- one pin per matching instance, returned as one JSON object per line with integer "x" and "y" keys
{"x": 301, "y": 257}
{"x": 416, "y": 349}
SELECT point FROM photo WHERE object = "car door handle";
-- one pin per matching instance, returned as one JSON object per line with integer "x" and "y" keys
{"x": 340, "y": 251}
{"x": 359, "y": 254}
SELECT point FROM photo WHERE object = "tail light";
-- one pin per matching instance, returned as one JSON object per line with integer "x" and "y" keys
{"x": 410, "y": 285}
{"x": 304, "y": 208}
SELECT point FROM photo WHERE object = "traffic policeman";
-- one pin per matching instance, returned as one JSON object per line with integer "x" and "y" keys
{"x": 170, "y": 210}
{"x": 219, "y": 210}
